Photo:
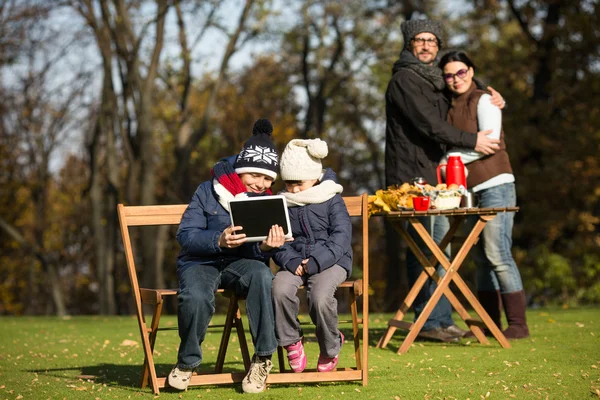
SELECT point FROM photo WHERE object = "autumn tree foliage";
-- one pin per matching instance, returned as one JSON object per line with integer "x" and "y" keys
{"x": 136, "y": 100}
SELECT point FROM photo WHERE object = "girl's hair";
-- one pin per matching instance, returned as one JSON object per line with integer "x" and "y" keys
{"x": 459, "y": 56}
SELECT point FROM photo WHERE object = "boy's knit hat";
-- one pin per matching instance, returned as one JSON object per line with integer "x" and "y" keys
{"x": 301, "y": 159}
{"x": 259, "y": 154}
{"x": 412, "y": 28}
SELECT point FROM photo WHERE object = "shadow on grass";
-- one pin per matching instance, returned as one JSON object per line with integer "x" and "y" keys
{"x": 127, "y": 377}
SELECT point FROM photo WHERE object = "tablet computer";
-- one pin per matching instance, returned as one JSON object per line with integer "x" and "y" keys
{"x": 257, "y": 214}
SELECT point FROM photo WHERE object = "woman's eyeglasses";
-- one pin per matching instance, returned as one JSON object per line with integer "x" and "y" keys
{"x": 461, "y": 73}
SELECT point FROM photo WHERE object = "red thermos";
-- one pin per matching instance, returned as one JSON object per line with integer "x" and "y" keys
{"x": 455, "y": 171}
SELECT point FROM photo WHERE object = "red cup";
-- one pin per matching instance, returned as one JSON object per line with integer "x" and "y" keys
{"x": 421, "y": 203}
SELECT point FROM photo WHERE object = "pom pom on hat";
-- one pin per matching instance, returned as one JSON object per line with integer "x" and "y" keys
{"x": 262, "y": 126}
{"x": 301, "y": 159}
{"x": 259, "y": 154}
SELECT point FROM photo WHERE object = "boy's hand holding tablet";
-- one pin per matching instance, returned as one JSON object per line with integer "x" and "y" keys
{"x": 258, "y": 219}
{"x": 276, "y": 238}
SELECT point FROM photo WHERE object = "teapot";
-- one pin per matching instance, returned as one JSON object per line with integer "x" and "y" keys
{"x": 455, "y": 171}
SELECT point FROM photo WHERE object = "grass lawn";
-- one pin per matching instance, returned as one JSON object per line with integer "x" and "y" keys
{"x": 101, "y": 357}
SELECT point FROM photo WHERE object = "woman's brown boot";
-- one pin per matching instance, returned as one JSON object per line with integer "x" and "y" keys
{"x": 491, "y": 302}
{"x": 514, "y": 306}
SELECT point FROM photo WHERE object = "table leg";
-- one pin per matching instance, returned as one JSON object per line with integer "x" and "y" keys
{"x": 462, "y": 286}
{"x": 428, "y": 270}
{"x": 442, "y": 283}
{"x": 393, "y": 324}
{"x": 428, "y": 266}
{"x": 451, "y": 274}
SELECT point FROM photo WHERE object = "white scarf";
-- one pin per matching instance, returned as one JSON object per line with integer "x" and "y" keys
{"x": 225, "y": 195}
{"x": 315, "y": 195}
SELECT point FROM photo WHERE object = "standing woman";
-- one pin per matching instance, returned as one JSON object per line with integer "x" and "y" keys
{"x": 491, "y": 178}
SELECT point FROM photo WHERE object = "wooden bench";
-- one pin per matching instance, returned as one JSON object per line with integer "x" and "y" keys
{"x": 171, "y": 215}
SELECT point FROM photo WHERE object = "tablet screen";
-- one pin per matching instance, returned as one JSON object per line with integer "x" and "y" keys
{"x": 257, "y": 214}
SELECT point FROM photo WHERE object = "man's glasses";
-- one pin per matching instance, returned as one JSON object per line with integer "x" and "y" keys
{"x": 421, "y": 41}
{"x": 461, "y": 73}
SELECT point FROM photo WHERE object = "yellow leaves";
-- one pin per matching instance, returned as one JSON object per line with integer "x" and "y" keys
{"x": 129, "y": 343}
{"x": 77, "y": 388}
{"x": 377, "y": 204}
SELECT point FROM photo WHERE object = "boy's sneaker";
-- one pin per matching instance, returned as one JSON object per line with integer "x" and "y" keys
{"x": 179, "y": 378}
{"x": 327, "y": 364}
{"x": 296, "y": 356}
{"x": 255, "y": 380}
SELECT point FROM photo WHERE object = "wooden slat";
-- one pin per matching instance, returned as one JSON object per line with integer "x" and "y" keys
{"x": 341, "y": 374}
{"x": 400, "y": 324}
{"x": 173, "y": 209}
{"x": 154, "y": 296}
{"x": 454, "y": 211}
{"x": 354, "y": 205}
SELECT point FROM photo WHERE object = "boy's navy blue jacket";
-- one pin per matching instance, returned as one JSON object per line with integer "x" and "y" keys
{"x": 322, "y": 232}
{"x": 200, "y": 228}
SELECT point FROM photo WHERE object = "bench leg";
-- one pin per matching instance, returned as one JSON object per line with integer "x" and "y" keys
{"x": 229, "y": 321}
{"x": 153, "y": 332}
{"x": 239, "y": 327}
{"x": 354, "y": 311}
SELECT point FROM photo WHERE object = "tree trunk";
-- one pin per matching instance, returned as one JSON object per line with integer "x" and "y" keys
{"x": 186, "y": 141}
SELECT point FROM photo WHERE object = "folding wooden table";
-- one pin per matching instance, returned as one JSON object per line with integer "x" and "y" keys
{"x": 397, "y": 219}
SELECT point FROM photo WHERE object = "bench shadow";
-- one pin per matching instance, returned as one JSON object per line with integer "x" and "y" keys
{"x": 128, "y": 377}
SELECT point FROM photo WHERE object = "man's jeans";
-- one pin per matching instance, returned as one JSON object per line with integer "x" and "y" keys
{"x": 197, "y": 287}
{"x": 441, "y": 316}
{"x": 496, "y": 268}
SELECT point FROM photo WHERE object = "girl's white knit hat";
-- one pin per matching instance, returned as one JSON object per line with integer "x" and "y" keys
{"x": 301, "y": 159}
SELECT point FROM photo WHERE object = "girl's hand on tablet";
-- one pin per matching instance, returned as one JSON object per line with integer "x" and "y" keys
{"x": 229, "y": 239}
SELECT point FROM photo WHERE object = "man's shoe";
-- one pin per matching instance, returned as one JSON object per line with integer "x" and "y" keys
{"x": 437, "y": 335}
{"x": 255, "y": 380}
{"x": 455, "y": 331}
{"x": 179, "y": 378}
{"x": 296, "y": 356}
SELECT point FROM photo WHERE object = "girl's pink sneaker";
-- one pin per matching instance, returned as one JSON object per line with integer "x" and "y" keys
{"x": 296, "y": 356}
{"x": 327, "y": 364}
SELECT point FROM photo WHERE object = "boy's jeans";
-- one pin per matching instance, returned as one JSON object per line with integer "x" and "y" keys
{"x": 496, "y": 268}
{"x": 197, "y": 286}
{"x": 441, "y": 316}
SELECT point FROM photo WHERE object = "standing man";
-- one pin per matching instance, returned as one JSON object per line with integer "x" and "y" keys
{"x": 416, "y": 136}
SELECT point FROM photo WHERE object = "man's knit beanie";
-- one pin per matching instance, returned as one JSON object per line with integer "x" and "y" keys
{"x": 412, "y": 28}
{"x": 301, "y": 159}
{"x": 259, "y": 154}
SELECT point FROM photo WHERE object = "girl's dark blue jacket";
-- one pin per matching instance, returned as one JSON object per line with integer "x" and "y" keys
{"x": 322, "y": 232}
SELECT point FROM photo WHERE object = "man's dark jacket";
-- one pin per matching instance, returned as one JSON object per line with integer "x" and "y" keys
{"x": 417, "y": 132}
